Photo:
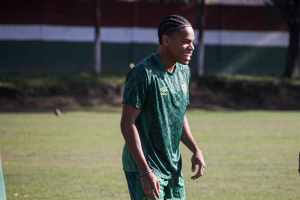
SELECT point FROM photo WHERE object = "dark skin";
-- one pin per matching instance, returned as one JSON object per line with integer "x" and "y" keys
{"x": 177, "y": 47}
{"x": 149, "y": 182}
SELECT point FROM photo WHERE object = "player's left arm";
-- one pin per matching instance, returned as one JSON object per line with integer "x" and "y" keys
{"x": 198, "y": 163}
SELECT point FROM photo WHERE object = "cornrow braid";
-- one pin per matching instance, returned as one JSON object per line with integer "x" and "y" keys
{"x": 171, "y": 24}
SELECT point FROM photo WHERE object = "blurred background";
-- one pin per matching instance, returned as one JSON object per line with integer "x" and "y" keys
{"x": 62, "y": 69}
{"x": 250, "y": 37}
{"x": 246, "y": 51}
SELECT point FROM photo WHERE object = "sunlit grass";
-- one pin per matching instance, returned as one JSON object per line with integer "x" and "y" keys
{"x": 250, "y": 155}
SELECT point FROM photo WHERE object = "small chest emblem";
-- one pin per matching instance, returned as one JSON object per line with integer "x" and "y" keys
{"x": 163, "y": 91}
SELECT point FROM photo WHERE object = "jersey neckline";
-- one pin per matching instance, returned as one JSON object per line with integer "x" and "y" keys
{"x": 160, "y": 65}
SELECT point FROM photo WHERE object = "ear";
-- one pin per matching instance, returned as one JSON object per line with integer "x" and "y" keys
{"x": 165, "y": 40}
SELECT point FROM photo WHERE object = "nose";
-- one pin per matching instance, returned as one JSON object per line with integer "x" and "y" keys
{"x": 191, "y": 46}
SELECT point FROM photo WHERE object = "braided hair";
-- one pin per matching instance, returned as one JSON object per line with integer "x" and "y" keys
{"x": 171, "y": 24}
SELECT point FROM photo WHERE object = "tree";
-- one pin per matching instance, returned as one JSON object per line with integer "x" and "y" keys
{"x": 200, "y": 44}
{"x": 97, "y": 47}
{"x": 290, "y": 11}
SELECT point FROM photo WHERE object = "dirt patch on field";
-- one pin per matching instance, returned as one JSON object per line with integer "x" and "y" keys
{"x": 217, "y": 93}
{"x": 208, "y": 93}
{"x": 12, "y": 99}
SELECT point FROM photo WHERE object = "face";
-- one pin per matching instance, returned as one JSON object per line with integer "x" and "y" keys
{"x": 180, "y": 45}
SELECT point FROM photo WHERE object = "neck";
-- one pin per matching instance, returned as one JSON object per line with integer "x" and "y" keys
{"x": 166, "y": 59}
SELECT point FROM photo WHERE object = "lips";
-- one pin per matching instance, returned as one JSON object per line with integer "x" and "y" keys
{"x": 188, "y": 56}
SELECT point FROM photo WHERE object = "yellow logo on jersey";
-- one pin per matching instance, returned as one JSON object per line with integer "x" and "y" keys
{"x": 163, "y": 91}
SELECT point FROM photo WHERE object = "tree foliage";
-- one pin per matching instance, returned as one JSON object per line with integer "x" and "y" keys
{"x": 290, "y": 12}
{"x": 289, "y": 9}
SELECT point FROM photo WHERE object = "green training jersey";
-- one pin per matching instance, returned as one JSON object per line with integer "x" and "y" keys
{"x": 162, "y": 98}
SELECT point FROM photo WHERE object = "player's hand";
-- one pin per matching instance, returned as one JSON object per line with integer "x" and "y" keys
{"x": 150, "y": 185}
{"x": 198, "y": 165}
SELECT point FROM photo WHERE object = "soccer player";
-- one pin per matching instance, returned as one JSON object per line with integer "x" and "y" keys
{"x": 154, "y": 120}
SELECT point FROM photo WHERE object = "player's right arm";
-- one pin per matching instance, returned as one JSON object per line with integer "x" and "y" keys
{"x": 131, "y": 136}
{"x": 130, "y": 133}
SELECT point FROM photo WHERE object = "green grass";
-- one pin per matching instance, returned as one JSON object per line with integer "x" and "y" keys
{"x": 250, "y": 155}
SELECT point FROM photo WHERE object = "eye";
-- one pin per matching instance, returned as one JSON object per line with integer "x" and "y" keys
{"x": 186, "y": 41}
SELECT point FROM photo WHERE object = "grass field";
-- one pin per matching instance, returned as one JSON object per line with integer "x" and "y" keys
{"x": 250, "y": 155}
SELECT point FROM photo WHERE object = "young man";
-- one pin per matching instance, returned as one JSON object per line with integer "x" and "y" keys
{"x": 153, "y": 119}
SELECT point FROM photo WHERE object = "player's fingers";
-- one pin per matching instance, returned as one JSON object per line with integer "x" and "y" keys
{"x": 193, "y": 165}
{"x": 151, "y": 190}
{"x": 156, "y": 190}
{"x": 199, "y": 172}
{"x": 155, "y": 194}
{"x": 158, "y": 187}
{"x": 150, "y": 193}
{"x": 197, "y": 175}
{"x": 202, "y": 170}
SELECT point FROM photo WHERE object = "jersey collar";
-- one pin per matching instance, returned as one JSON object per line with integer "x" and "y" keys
{"x": 159, "y": 64}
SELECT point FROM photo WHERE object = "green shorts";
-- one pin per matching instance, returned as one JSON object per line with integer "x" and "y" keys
{"x": 170, "y": 189}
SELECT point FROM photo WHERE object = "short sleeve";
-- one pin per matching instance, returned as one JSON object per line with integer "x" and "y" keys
{"x": 135, "y": 89}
